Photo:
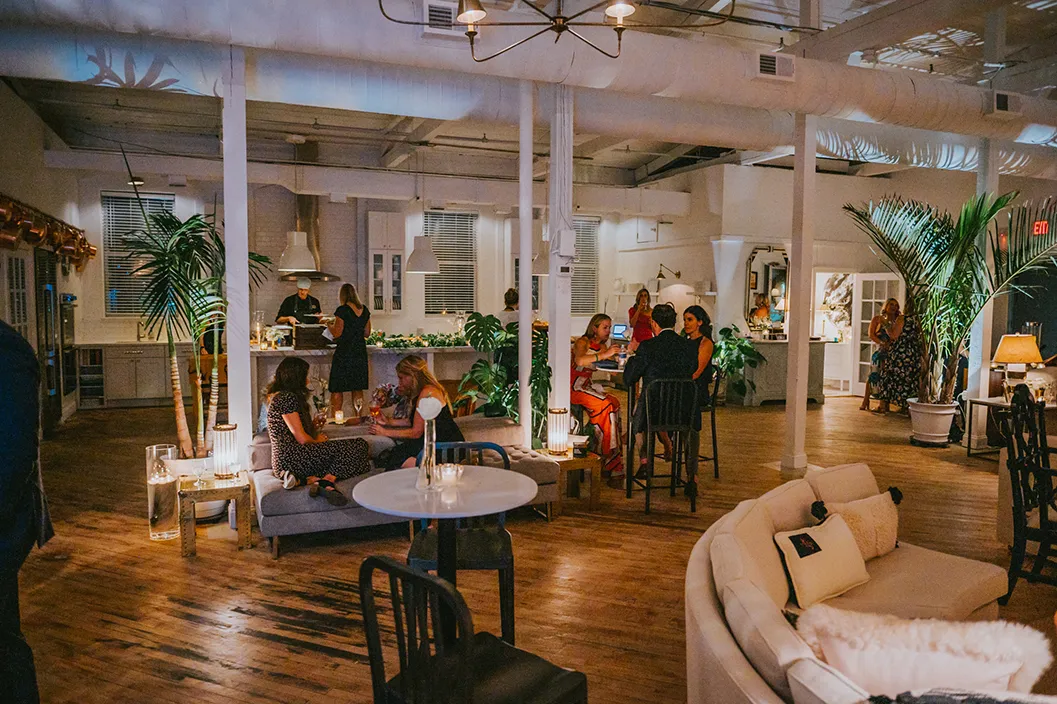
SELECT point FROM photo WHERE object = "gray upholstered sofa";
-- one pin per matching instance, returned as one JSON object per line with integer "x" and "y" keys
{"x": 292, "y": 511}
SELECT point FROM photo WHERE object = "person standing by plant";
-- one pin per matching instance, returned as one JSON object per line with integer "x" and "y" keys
{"x": 899, "y": 376}
{"x": 300, "y": 453}
{"x": 349, "y": 371}
{"x": 417, "y": 382}
{"x": 640, "y": 317}
{"x": 882, "y": 334}
{"x": 698, "y": 326}
{"x": 603, "y": 410}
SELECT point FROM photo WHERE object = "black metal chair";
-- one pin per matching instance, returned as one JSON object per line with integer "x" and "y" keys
{"x": 480, "y": 544}
{"x": 1032, "y": 482}
{"x": 671, "y": 407}
{"x": 710, "y": 409}
{"x": 434, "y": 667}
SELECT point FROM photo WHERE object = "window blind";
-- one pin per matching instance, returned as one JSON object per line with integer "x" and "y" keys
{"x": 454, "y": 239}
{"x": 18, "y": 295}
{"x": 535, "y": 283}
{"x": 585, "y": 267}
{"x": 121, "y": 215}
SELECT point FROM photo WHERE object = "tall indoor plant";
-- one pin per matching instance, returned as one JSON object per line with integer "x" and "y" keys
{"x": 948, "y": 280}
{"x": 734, "y": 352}
{"x": 183, "y": 265}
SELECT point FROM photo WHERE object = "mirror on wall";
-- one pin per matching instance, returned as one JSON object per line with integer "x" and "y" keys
{"x": 765, "y": 288}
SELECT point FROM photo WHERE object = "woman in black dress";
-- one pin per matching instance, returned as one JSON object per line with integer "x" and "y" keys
{"x": 300, "y": 453}
{"x": 351, "y": 328}
{"x": 416, "y": 382}
{"x": 698, "y": 326}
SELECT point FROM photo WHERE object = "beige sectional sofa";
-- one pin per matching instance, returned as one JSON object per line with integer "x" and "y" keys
{"x": 736, "y": 590}
{"x": 292, "y": 511}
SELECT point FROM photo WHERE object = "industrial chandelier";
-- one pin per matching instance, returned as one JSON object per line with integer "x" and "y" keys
{"x": 473, "y": 16}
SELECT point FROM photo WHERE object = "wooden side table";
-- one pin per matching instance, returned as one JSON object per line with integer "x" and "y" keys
{"x": 567, "y": 464}
{"x": 237, "y": 490}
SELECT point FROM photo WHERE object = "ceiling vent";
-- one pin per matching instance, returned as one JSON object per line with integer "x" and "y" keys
{"x": 1004, "y": 106}
{"x": 439, "y": 16}
{"x": 775, "y": 67}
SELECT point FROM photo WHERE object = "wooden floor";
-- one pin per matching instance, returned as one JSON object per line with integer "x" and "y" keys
{"x": 113, "y": 617}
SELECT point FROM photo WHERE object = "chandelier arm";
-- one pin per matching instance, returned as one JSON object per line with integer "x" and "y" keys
{"x": 416, "y": 23}
{"x": 594, "y": 46}
{"x": 389, "y": 17}
{"x": 533, "y": 6}
{"x": 597, "y": 5}
{"x": 473, "y": 53}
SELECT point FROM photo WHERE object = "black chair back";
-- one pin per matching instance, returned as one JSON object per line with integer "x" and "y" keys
{"x": 671, "y": 405}
{"x": 1029, "y": 463}
{"x": 467, "y": 452}
{"x": 433, "y": 666}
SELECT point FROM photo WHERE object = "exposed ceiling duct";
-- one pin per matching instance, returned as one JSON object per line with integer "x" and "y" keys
{"x": 651, "y": 64}
{"x": 300, "y": 259}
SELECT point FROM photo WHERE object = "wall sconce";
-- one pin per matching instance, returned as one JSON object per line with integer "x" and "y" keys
{"x": 225, "y": 451}
{"x": 660, "y": 272}
{"x": 558, "y": 431}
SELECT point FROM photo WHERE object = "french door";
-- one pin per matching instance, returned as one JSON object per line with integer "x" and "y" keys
{"x": 871, "y": 292}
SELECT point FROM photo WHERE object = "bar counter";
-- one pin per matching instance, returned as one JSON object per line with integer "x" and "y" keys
{"x": 447, "y": 363}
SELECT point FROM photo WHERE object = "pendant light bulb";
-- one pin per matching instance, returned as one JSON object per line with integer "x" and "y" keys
{"x": 470, "y": 12}
{"x": 619, "y": 9}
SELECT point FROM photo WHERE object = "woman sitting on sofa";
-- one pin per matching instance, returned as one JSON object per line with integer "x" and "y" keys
{"x": 416, "y": 382}
{"x": 300, "y": 453}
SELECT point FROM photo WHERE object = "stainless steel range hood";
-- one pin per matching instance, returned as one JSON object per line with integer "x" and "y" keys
{"x": 301, "y": 256}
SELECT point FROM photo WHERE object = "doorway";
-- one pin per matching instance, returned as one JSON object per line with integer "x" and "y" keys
{"x": 870, "y": 293}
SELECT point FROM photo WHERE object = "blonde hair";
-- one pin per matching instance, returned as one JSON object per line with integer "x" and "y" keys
{"x": 348, "y": 294}
{"x": 415, "y": 367}
{"x": 592, "y": 327}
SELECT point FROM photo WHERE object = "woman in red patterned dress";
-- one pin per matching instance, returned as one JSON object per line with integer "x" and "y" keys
{"x": 603, "y": 410}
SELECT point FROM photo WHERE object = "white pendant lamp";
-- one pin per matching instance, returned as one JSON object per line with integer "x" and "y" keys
{"x": 422, "y": 259}
{"x": 619, "y": 9}
{"x": 297, "y": 256}
{"x": 470, "y": 12}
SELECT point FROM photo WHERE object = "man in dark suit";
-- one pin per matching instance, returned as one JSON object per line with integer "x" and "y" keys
{"x": 23, "y": 513}
{"x": 666, "y": 355}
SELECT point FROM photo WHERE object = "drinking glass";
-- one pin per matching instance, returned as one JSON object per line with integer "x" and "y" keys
{"x": 358, "y": 405}
{"x": 162, "y": 496}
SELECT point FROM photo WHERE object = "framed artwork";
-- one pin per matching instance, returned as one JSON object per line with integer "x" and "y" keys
{"x": 752, "y": 281}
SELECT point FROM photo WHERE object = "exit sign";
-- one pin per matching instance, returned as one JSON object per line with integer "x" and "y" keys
{"x": 1041, "y": 227}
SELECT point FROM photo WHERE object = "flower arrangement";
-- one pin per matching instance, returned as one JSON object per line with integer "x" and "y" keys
{"x": 274, "y": 336}
{"x": 320, "y": 400}
{"x": 386, "y": 395}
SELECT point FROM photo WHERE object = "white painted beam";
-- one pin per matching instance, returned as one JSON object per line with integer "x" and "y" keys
{"x": 885, "y": 26}
{"x": 868, "y": 170}
{"x": 375, "y": 183}
{"x": 598, "y": 145}
{"x": 399, "y": 153}
{"x": 644, "y": 172}
{"x": 1029, "y": 76}
{"x": 750, "y": 158}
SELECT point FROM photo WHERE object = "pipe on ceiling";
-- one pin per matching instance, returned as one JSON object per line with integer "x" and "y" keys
{"x": 706, "y": 69}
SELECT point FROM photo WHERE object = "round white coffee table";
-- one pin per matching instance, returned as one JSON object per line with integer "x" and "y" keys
{"x": 481, "y": 491}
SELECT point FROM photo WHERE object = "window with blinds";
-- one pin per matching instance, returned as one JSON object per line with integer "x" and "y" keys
{"x": 17, "y": 295}
{"x": 121, "y": 215}
{"x": 535, "y": 283}
{"x": 454, "y": 240}
{"x": 585, "y": 268}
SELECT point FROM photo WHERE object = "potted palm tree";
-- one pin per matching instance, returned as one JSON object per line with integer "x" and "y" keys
{"x": 183, "y": 264}
{"x": 948, "y": 281}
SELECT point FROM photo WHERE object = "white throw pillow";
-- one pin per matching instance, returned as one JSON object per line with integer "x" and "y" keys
{"x": 874, "y": 521}
{"x": 889, "y": 655}
{"x": 763, "y": 633}
{"x": 822, "y": 561}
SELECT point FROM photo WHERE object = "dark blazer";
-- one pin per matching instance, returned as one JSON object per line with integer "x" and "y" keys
{"x": 666, "y": 356}
{"x": 19, "y": 425}
{"x": 294, "y": 306}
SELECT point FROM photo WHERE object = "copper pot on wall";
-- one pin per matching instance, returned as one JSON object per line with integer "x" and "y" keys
{"x": 34, "y": 230}
{"x": 9, "y": 234}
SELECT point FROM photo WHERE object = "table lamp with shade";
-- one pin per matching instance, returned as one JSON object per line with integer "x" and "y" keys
{"x": 1016, "y": 352}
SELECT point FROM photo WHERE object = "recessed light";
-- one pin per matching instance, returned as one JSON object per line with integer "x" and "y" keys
{"x": 136, "y": 181}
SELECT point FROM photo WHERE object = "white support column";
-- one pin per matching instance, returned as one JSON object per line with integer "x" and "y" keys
{"x": 728, "y": 257}
{"x": 236, "y": 244}
{"x": 561, "y": 219}
{"x": 986, "y": 182}
{"x": 798, "y": 295}
{"x": 980, "y": 335}
{"x": 524, "y": 317}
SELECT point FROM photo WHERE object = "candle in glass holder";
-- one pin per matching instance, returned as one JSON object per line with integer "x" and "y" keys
{"x": 339, "y": 416}
{"x": 448, "y": 474}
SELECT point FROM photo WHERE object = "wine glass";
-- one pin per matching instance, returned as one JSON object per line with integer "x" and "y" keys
{"x": 357, "y": 403}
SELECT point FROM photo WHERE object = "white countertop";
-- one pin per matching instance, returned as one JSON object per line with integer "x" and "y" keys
{"x": 371, "y": 349}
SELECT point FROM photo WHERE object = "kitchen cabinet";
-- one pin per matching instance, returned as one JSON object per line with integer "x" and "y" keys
{"x": 139, "y": 374}
{"x": 386, "y": 237}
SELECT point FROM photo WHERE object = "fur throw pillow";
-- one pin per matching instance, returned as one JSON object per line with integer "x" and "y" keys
{"x": 874, "y": 521}
{"x": 888, "y": 655}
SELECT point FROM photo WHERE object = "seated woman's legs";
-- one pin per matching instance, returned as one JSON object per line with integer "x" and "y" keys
{"x": 603, "y": 411}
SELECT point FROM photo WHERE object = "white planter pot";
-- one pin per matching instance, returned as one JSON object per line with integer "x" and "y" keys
{"x": 204, "y": 510}
{"x": 931, "y": 422}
